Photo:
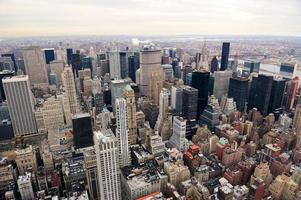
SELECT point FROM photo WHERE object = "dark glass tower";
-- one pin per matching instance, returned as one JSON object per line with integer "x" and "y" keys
{"x": 277, "y": 93}
{"x": 87, "y": 63}
{"x": 4, "y": 74}
{"x": 133, "y": 66}
{"x": 263, "y": 93}
{"x": 76, "y": 63}
{"x": 200, "y": 81}
{"x": 214, "y": 65}
{"x": 49, "y": 55}
{"x": 69, "y": 52}
{"x": 225, "y": 56}
{"x": 189, "y": 102}
{"x": 12, "y": 56}
{"x": 82, "y": 130}
{"x": 123, "y": 64}
{"x": 238, "y": 89}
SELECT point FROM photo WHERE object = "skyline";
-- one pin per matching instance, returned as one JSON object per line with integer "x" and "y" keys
{"x": 146, "y": 17}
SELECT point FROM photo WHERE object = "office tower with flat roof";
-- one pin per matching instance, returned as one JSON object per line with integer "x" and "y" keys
{"x": 168, "y": 72}
{"x": 163, "y": 109}
{"x": 277, "y": 93}
{"x": 129, "y": 97}
{"x": 251, "y": 66}
{"x": 186, "y": 70}
{"x": 20, "y": 104}
{"x": 106, "y": 148}
{"x": 221, "y": 83}
{"x": 53, "y": 114}
{"x": 263, "y": 93}
{"x": 178, "y": 137}
{"x": 49, "y": 55}
{"x": 214, "y": 65}
{"x": 122, "y": 132}
{"x": 190, "y": 102}
{"x": 238, "y": 90}
{"x": 82, "y": 130}
{"x": 12, "y": 56}
{"x": 25, "y": 187}
{"x": 176, "y": 99}
{"x": 123, "y": 58}
{"x": 133, "y": 66}
{"x": 87, "y": 63}
{"x": 150, "y": 65}
{"x": 211, "y": 114}
{"x": 117, "y": 89}
{"x": 76, "y": 63}
{"x": 35, "y": 66}
{"x": 6, "y": 63}
{"x": 69, "y": 52}
{"x": 291, "y": 93}
{"x": 287, "y": 70}
{"x": 4, "y": 74}
{"x": 57, "y": 67}
{"x": 225, "y": 56}
{"x": 114, "y": 63}
{"x": 69, "y": 85}
{"x": 200, "y": 81}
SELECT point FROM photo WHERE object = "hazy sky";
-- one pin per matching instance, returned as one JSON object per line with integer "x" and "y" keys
{"x": 149, "y": 17}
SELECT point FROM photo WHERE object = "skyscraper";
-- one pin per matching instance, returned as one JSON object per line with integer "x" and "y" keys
{"x": 69, "y": 53}
{"x": 106, "y": 147}
{"x": 131, "y": 114}
{"x": 150, "y": 63}
{"x": 25, "y": 187}
{"x": 4, "y": 74}
{"x": 225, "y": 55}
{"x": 20, "y": 104}
{"x": 251, "y": 66}
{"x": 163, "y": 108}
{"x": 176, "y": 98}
{"x": 76, "y": 63}
{"x": 12, "y": 56}
{"x": 263, "y": 93}
{"x": 133, "y": 66}
{"x": 291, "y": 93}
{"x": 122, "y": 132}
{"x": 57, "y": 67}
{"x": 200, "y": 81}
{"x": 49, "y": 55}
{"x": 190, "y": 102}
{"x": 221, "y": 83}
{"x": 69, "y": 85}
{"x": 82, "y": 130}
{"x": 238, "y": 90}
{"x": 35, "y": 66}
{"x": 287, "y": 70}
{"x": 277, "y": 93}
{"x": 114, "y": 63}
{"x": 117, "y": 89}
{"x": 214, "y": 65}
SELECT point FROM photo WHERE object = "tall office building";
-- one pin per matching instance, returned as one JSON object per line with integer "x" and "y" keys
{"x": 117, "y": 89}
{"x": 20, "y": 104}
{"x": 12, "y": 56}
{"x": 124, "y": 65}
{"x": 251, "y": 66}
{"x": 102, "y": 64}
{"x": 133, "y": 66}
{"x": 49, "y": 55}
{"x": 35, "y": 66}
{"x": 25, "y": 187}
{"x": 131, "y": 114}
{"x": 225, "y": 56}
{"x": 178, "y": 138}
{"x": 69, "y": 85}
{"x": 176, "y": 98}
{"x": 211, "y": 114}
{"x": 106, "y": 147}
{"x": 277, "y": 93}
{"x": 114, "y": 63}
{"x": 150, "y": 63}
{"x": 214, "y": 65}
{"x": 167, "y": 72}
{"x": 53, "y": 114}
{"x": 292, "y": 89}
{"x": 4, "y": 74}
{"x": 122, "y": 132}
{"x": 82, "y": 130}
{"x": 263, "y": 93}
{"x": 76, "y": 63}
{"x": 57, "y": 67}
{"x": 238, "y": 90}
{"x": 69, "y": 53}
{"x": 287, "y": 70}
{"x": 190, "y": 102}
{"x": 200, "y": 81}
{"x": 163, "y": 109}
{"x": 221, "y": 83}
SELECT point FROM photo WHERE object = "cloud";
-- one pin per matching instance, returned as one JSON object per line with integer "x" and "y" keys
{"x": 148, "y": 17}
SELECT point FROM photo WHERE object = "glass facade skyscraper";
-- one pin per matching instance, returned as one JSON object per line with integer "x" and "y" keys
{"x": 225, "y": 55}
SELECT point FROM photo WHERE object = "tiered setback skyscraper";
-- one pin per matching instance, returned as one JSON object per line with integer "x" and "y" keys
{"x": 106, "y": 147}
{"x": 20, "y": 104}
{"x": 150, "y": 63}
{"x": 122, "y": 132}
{"x": 131, "y": 114}
{"x": 69, "y": 85}
{"x": 35, "y": 66}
